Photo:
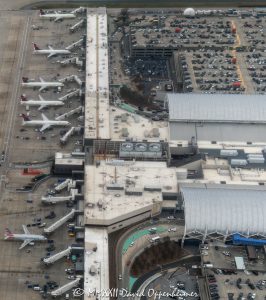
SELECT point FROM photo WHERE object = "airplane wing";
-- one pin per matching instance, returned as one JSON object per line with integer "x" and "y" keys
{"x": 42, "y": 106}
{"x": 42, "y": 88}
{"x": 41, "y": 79}
{"x": 25, "y": 243}
{"x": 51, "y": 54}
{"x": 44, "y": 127}
{"x": 50, "y": 47}
{"x": 25, "y": 229}
{"x": 58, "y": 18}
{"x": 44, "y": 117}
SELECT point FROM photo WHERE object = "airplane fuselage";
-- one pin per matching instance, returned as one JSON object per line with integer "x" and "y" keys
{"x": 41, "y": 84}
{"x": 42, "y": 103}
{"x": 23, "y": 237}
{"x": 44, "y": 122}
{"x": 56, "y": 16}
{"x": 47, "y": 51}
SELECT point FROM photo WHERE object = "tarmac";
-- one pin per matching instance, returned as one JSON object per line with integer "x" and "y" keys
{"x": 18, "y": 268}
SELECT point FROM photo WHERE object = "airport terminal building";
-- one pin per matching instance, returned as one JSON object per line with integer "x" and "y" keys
{"x": 219, "y": 117}
{"x": 215, "y": 212}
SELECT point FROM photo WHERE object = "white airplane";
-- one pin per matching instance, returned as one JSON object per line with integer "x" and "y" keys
{"x": 41, "y": 102}
{"x": 41, "y": 84}
{"x": 56, "y": 16}
{"x": 26, "y": 237}
{"x": 51, "y": 52}
{"x": 45, "y": 122}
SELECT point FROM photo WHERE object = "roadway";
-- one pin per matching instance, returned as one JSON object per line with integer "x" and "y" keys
{"x": 125, "y": 253}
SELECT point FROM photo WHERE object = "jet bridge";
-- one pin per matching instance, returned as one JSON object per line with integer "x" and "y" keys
{"x": 59, "y": 199}
{"x": 75, "y": 45}
{"x": 77, "y": 26}
{"x": 79, "y": 10}
{"x": 52, "y": 259}
{"x": 78, "y": 80}
{"x": 69, "y": 133}
{"x": 71, "y": 60}
{"x": 60, "y": 222}
{"x": 69, "y": 183}
{"x": 63, "y": 289}
{"x": 71, "y": 78}
{"x": 74, "y": 93}
{"x": 70, "y": 113}
{"x": 67, "y": 79}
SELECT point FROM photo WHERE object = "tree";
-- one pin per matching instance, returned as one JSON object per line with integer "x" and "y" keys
{"x": 124, "y": 15}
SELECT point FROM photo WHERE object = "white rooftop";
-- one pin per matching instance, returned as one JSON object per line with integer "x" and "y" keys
{"x": 139, "y": 128}
{"x": 67, "y": 159}
{"x": 224, "y": 210}
{"x": 97, "y": 77}
{"x": 232, "y": 176}
{"x": 111, "y": 189}
{"x": 217, "y": 108}
{"x": 96, "y": 263}
{"x": 248, "y": 148}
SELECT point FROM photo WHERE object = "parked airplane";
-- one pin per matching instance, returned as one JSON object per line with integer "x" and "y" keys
{"x": 41, "y": 102}
{"x": 42, "y": 84}
{"x": 56, "y": 16}
{"x": 26, "y": 237}
{"x": 51, "y": 52}
{"x": 45, "y": 122}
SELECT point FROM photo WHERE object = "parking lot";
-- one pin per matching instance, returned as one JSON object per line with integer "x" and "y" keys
{"x": 214, "y": 72}
{"x": 176, "y": 282}
{"x": 225, "y": 281}
{"x": 169, "y": 30}
{"x": 222, "y": 51}
{"x": 237, "y": 286}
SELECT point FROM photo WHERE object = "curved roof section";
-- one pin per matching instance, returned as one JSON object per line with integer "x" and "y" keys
{"x": 217, "y": 108}
{"x": 225, "y": 211}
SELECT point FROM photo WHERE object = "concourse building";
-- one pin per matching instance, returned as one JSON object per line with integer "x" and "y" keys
{"x": 219, "y": 117}
{"x": 217, "y": 212}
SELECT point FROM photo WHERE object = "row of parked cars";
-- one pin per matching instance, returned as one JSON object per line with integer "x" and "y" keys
{"x": 213, "y": 287}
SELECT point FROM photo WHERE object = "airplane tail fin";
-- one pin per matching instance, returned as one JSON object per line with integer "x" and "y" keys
{"x": 8, "y": 234}
{"x": 23, "y": 97}
{"x": 25, "y": 79}
{"x": 35, "y": 47}
{"x": 42, "y": 12}
{"x": 25, "y": 117}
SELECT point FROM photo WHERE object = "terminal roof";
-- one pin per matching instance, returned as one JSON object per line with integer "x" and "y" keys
{"x": 96, "y": 260}
{"x": 97, "y": 76}
{"x": 118, "y": 190}
{"x": 218, "y": 108}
